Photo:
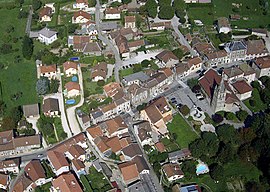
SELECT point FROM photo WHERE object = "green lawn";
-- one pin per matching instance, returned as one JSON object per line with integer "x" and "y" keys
{"x": 17, "y": 78}
{"x": 44, "y": 188}
{"x": 184, "y": 132}
{"x": 126, "y": 72}
{"x": 59, "y": 129}
{"x": 90, "y": 85}
{"x": 221, "y": 8}
{"x": 259, "y": 104}
{"x": 170, "y": 145}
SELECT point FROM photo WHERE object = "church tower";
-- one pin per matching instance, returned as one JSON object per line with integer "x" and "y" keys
{"x": 219, "y": 97}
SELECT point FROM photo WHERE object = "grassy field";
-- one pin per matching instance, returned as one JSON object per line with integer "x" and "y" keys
{"x": 184, "y": 132}
{"x": 259, "y": 104}
{"x": 17, "y": 78}
{"x": 220, "y": 8}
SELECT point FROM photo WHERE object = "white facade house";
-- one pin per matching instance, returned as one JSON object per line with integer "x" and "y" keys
{"x": 73, "y": 89}
{"x": 81, "y": 17}
{"x": 112, "y": 13}
{"x": 262, "y": 66}
{"x": 49, "y": 71}
{"x": 80, "y": 4}
{"x": 70, "y": 68}
{"x": 223, "y": 25}
{"x": 45, "y": 35}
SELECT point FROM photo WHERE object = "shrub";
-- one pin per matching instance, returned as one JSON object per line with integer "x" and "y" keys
{"x": 241, "y": 115}
{"x": 252, "y": 102}
{"x": 145, "y": 63}
{"x": 184, "y": 110}
{"x": 101, "y": 83}
{"x": 230, "y": 116}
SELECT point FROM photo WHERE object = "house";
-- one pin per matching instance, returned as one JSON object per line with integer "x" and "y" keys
{"x": 128, "y": 33}
{"x": 93, "y": 132}
{"x": 160, "y": 147}
{"x": 131, "y": 151}
{"x": 84, "y": 120}
{"x": 23, "y": 184}
{"x": 51, "y": 107}
{"x": 259, "y": 32}
{"x": 108, "y": 26}
{"x": 204, "y": 48}
{"x": 160, "y": 26}
{"x": 10, "y": 166}
{"x": 92, "y": 49}
{"x": 99, "y": 72}
{"x": 223, "y": 25}
{"x": 236, "y": 50}
{"x": 122, "y": 44}
{"x": 73, "y": 89}
{"x": 198, "y": 1}
{"x": 217, "y": 58}
{"x": 137, "y": 94}
{"x": 181, "y": 71}
{"x": 80, "y": 4}
{"x": 114, "y": 127}
{"x": 167, "y": 59}
{"x": 194, "y": 64}
{"x": 35, "y": 172}
{"x": 81, "y": 17}
{"x": 144, "y": 132}
{"x": 102, "y": 147}
{"x": 70, "y": 68}
{"x": 78, "y": 167}
{"x": 11, "y": 145}
{"x": 88, "y": 28}
{"x": 45, "y": 35}
{"x": 179, "y": 155}
{"x": 256, "y": 49}
{"x": 31, "y": 110}
{"x": 76, "y": 152}
{"x": 58, "y": 161}
{"x": 112, "y": 13}
{"x": 45, "y": 14}
{"x": 262, "y": 66}
{"x": 242, "y": 89}
{"x": 249, "y": 72}
{"x": 112, "y": 89}
{"x": 66, "y": 182}
{"x": 158, "y": 113}
{"x": 130, "y": 22}
{"x": 134, "y": 45}
{"x": 129, "y": 172}
{"x": 49, "y": 71}
{"x": 4, "y": 181}
{"x": 172, "y": 172}
{"x": 235, "y": 17}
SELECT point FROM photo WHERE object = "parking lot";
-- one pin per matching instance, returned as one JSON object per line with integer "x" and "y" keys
{"x": 185, "y": 96}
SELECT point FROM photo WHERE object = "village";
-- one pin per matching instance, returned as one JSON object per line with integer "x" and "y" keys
{"x": 124, "y": 99}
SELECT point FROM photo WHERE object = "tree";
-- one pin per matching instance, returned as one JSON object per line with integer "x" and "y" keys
{"x": 216, "y": 172}
{"x": 8, "y": 123}
{"x": 227, "y": 133}
{"x": 54, "y": 85}
{"x": 164, "y": 2}
{"x": 42, "y": 86}
{"x": 241, "y": 115}
{"x": 178, "y": 53}
{"x": 16, "y": 113}
{"x": 226, "y": 154}
{"x": 27, "y": 47}
{"x": 145, "y": 63}
{"x": 189, "y": 168}
{"x": 184, "y": 110}
{"x": 166, "y": 12}
{"x": 217, "y": 118}
{"x": 36, "y": 4}
{"x": 6, "y": 48}
{"x": 224, "y": 37}
{"x": 151, "y": 8}
{"x": 179, "y": 5}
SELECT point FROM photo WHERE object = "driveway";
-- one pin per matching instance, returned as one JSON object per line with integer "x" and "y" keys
{"x": 71, "y": 112}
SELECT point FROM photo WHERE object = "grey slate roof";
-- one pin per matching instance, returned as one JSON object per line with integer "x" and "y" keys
{"x": 236, "y": 45}
{"x": 107, "y": 26}
{"x": 47, "y": 32}
{"x": 30, "y": 110}
{"x": 136, "y": 76}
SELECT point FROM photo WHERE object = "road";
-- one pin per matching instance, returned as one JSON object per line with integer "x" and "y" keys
{"x": 29, "y": 21}
{"x": 175, "y": 23}
{"x": 71, "y": 111}
{"x": 104, "y": 39}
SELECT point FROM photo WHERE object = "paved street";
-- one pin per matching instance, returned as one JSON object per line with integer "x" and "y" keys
{"x": 104, "y": 39}
{"x": 71, "y": 111}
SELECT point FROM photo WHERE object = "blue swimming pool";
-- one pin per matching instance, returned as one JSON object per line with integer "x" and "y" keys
{"x": 70, "y": 101}
{"x": 201, "y": 168}
{"x": 74, "y": 79}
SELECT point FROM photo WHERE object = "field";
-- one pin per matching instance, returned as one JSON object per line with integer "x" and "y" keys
{"x": 18, "y": 77}
{"x": 184, "y": 132}
{"x": 220, "y": 8}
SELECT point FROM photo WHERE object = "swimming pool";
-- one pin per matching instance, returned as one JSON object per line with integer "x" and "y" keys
{"x": 201, "y": 169}
{"x": 74, "y": 79}
{"x": 70, "y": 101}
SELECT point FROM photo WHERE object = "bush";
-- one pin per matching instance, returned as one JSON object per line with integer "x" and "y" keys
{"x": 217, "y": 118}
{"x": 145, "y": 63}
{"x": 241, "y": 115}
{"x": 101, "y": 83}
{"x": 184, "y": 110}
{"x": 230, "y": 116}
{"x": 252, "y": 102}
{"x": 166, "y": 12}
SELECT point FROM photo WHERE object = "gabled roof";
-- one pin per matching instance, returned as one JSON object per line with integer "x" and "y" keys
{"x": 132, "y": 150}
{"x": 194, "y": 61}
{"x": 72, "y": 85}
{"x": 100, "y": 69}
{"x": 82, "y": 14}
{"x": 76, "y": 151}
{"x": 67, "y": 183}
{"x": 4, "y": 179}
{"x": 216, "y": 54}
{"x": 45, "y": 11}
{"x": 209, "y": 81}
{"x": 172, "y": 169}
{"x": 129, "y": 171}
{"x": 263, "y": 62}
{"x": 82, "y": 1}
{"x": 22, "y": 184}
{"x": 256, "y": 47}
{"x": 57, "y": 159}
{"x": 50, "y": 104}
{"x": 113, "y": 125}
{"x": 95, "y": 131}
{"x": 242, "y": 86}
{"x": 166, "y": 55}
{"x": 48, "y": 68}
{"x": 47, "y": 32}
{"x": 223, "y": 22}
{"x": 130, "y": 19}
{"x": 34, "y": 170}
{"x": 112, "y": 10}
{"x": 70, "y": 65}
